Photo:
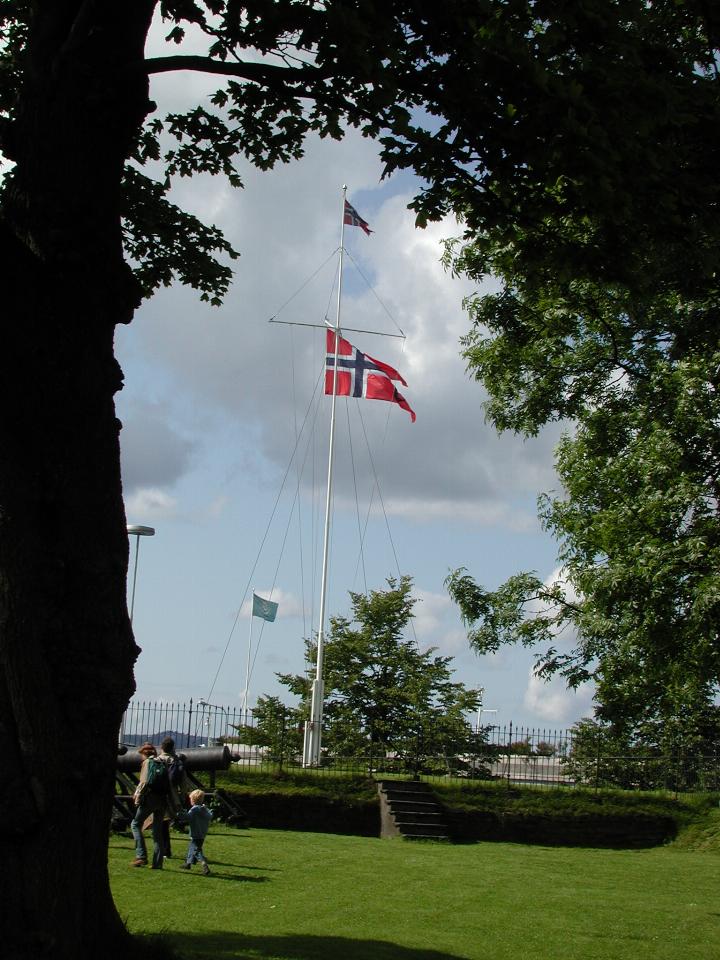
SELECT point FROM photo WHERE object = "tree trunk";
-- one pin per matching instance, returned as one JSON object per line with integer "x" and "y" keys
{"x": 66, "y": 647}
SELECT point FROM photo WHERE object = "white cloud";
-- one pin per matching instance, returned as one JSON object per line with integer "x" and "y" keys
{"x": 488, "y": 514}
{"x": 452, "y": 642}
{"x": 149, "y": 503}
{"x": 551, "y": 699}
{"x": 554, "y": 702}
{"x": 429, "y": 612}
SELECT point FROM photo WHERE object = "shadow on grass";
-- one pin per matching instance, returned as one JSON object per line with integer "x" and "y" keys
{"x": 226, "y": 946}
{"x": 241, "y": 866}
{"x": 233, "y": 877}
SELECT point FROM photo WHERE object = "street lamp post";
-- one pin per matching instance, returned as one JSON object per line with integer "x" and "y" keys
{"x": 137, "y": 531}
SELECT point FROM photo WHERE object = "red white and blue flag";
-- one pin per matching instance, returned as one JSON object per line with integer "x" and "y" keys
{"x": 353, "y": 218}
{"x": 359, "y": 375}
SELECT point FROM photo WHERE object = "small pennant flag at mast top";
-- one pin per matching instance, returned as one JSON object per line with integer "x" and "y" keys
{"x": 359, "y": 375}
{"x": 353, "y": 218}
{"x": 265, "y": 609}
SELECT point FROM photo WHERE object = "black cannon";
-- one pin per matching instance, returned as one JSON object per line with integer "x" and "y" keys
{"x": 196, "y": 760}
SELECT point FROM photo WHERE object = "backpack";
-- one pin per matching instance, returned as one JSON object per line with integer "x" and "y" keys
{"x": 157, "y": 776}
{"x": 176, "y": 770}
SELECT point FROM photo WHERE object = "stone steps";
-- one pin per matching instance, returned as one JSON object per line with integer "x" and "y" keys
{"x": 408, "y": 809}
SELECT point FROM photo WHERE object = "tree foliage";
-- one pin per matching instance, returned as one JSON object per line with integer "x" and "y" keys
{"x": 381, "y": 692}
{"x": 579, "y": 139}
{"x": 463, "y": 94}
{"x": 638, "y": 528}
{"x": 623, "y": 347}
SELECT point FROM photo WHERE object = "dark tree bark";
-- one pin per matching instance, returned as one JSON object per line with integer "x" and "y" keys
{"x": 66, "y": 646}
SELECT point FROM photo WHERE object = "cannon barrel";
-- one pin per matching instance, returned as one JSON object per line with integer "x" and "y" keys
{"x": 195, "y": 759}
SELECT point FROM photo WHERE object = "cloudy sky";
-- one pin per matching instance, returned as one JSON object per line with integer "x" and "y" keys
{"x": 216, "y": 401}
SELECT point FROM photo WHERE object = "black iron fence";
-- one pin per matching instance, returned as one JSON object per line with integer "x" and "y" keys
{"x": 509, "y": 754}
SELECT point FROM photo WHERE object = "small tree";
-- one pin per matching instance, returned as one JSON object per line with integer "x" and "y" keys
{"x": 654, "y": 757}
{"x": 522, "y": 748}
{"x": 276, "y": 727}
{"x": 382, "y": 692}
{"x": 603, "y": 756}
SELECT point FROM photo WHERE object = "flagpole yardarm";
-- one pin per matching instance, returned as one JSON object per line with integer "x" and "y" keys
{"x": 327, "y": 325}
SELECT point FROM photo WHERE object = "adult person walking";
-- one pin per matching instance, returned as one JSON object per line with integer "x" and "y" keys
{"x": 180, "y": 783}
{"x": 179, "y": 787}
{"x": 160, "y": 793}
{"x": 150, "y": 799}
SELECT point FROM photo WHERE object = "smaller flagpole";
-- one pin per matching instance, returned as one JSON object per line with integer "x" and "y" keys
{"x": 312, "y": 741}
{"x": 247, "y": 668}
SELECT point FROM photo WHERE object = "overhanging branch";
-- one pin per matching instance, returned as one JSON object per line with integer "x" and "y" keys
{"x": 256, "y": 72}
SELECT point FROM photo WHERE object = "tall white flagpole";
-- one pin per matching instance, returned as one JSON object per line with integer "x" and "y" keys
{"x": 247, "y": 667}
{"x": 313, "y": 728}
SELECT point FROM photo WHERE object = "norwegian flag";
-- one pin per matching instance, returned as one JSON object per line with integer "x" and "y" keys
{"x": 359, "y": 375}
{"x": 353, "y": 218}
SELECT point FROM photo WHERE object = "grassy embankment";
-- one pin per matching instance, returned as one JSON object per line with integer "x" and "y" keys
{"x": 482, "y": 810}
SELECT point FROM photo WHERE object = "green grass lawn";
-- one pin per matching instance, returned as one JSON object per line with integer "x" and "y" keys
{"x": 280, "y": 895}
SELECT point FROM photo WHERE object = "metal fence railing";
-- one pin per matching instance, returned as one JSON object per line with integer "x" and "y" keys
{"x": 510, "y": 754}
